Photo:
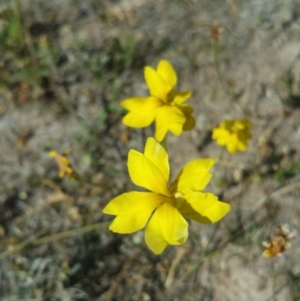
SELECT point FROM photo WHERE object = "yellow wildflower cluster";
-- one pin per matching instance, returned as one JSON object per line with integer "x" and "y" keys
{"x": 163, "y": 210}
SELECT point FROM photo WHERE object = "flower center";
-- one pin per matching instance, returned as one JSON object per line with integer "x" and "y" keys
{"x": 179, "y": 200}
{"x": 170, "y": 97}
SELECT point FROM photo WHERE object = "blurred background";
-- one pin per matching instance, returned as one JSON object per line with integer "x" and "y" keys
{"x": 64, "y": 68}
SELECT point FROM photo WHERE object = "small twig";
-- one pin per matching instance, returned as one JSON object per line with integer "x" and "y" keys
{"x": 279, "y": 192}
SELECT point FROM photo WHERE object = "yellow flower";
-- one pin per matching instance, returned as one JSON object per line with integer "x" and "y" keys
{"x": 64, "y": 165}
{"x": 165, "y": 207}
{"x": 233, "y": 134}
{"x": 165, "y": 105}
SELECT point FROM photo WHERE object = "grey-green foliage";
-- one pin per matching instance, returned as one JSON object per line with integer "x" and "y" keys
{"x": 41, "y": 278}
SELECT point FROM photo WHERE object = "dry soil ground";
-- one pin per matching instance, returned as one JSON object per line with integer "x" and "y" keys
{"x": 64, "y": 68}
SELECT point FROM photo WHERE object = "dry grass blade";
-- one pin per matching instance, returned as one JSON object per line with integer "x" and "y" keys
{"x": 70, "y": 233}
{"x": 22, "y": 245}
{"x": 275, "y": 194}
{"x": 33, "y": 240}
{"x": 171, "y": 275}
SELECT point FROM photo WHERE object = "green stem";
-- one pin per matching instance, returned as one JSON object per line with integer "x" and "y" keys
{"x": 34, "y": 240}
{"x": 215, "y": 48}
{"x": 219, "y": 158}
{"x": 17, "y": 8}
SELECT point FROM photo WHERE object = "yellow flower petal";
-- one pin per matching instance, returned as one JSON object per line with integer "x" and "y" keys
{"x": 242, "y": 138}
{"x": 156, "y": 84}
{"x": 181, "y": 97}
{"x": 147, "y": 173}
{"x": 142, "y": 111}
{"x": 268, "y": 254}
{"x": 231, "y": 147}
{"x": 228, "y": 140}
{"x": 190, "y": 121}
{"x": 167, "y": 72}
{"x": 133, "y": 210}
{"x": 168, "y": 118}
{"x": 243, "y": 124}
{"x": 194, "y": 176}
{"x": 221, "y": 135}
{"x": 64, "y": 165}
{"x": 204, "y": 208}
{"x": 52, "y": 153}
{"x": 154, "y": 237}
{"x": 174, "y": 227}
{"x": 185, "y": 109}
{"x": 241, "y": 145}
{"x": 166, "y": 226}
{"x": 158, "y": 155}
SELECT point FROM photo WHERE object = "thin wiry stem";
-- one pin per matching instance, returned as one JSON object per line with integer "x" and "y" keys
{"x": 34, "y": 240}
